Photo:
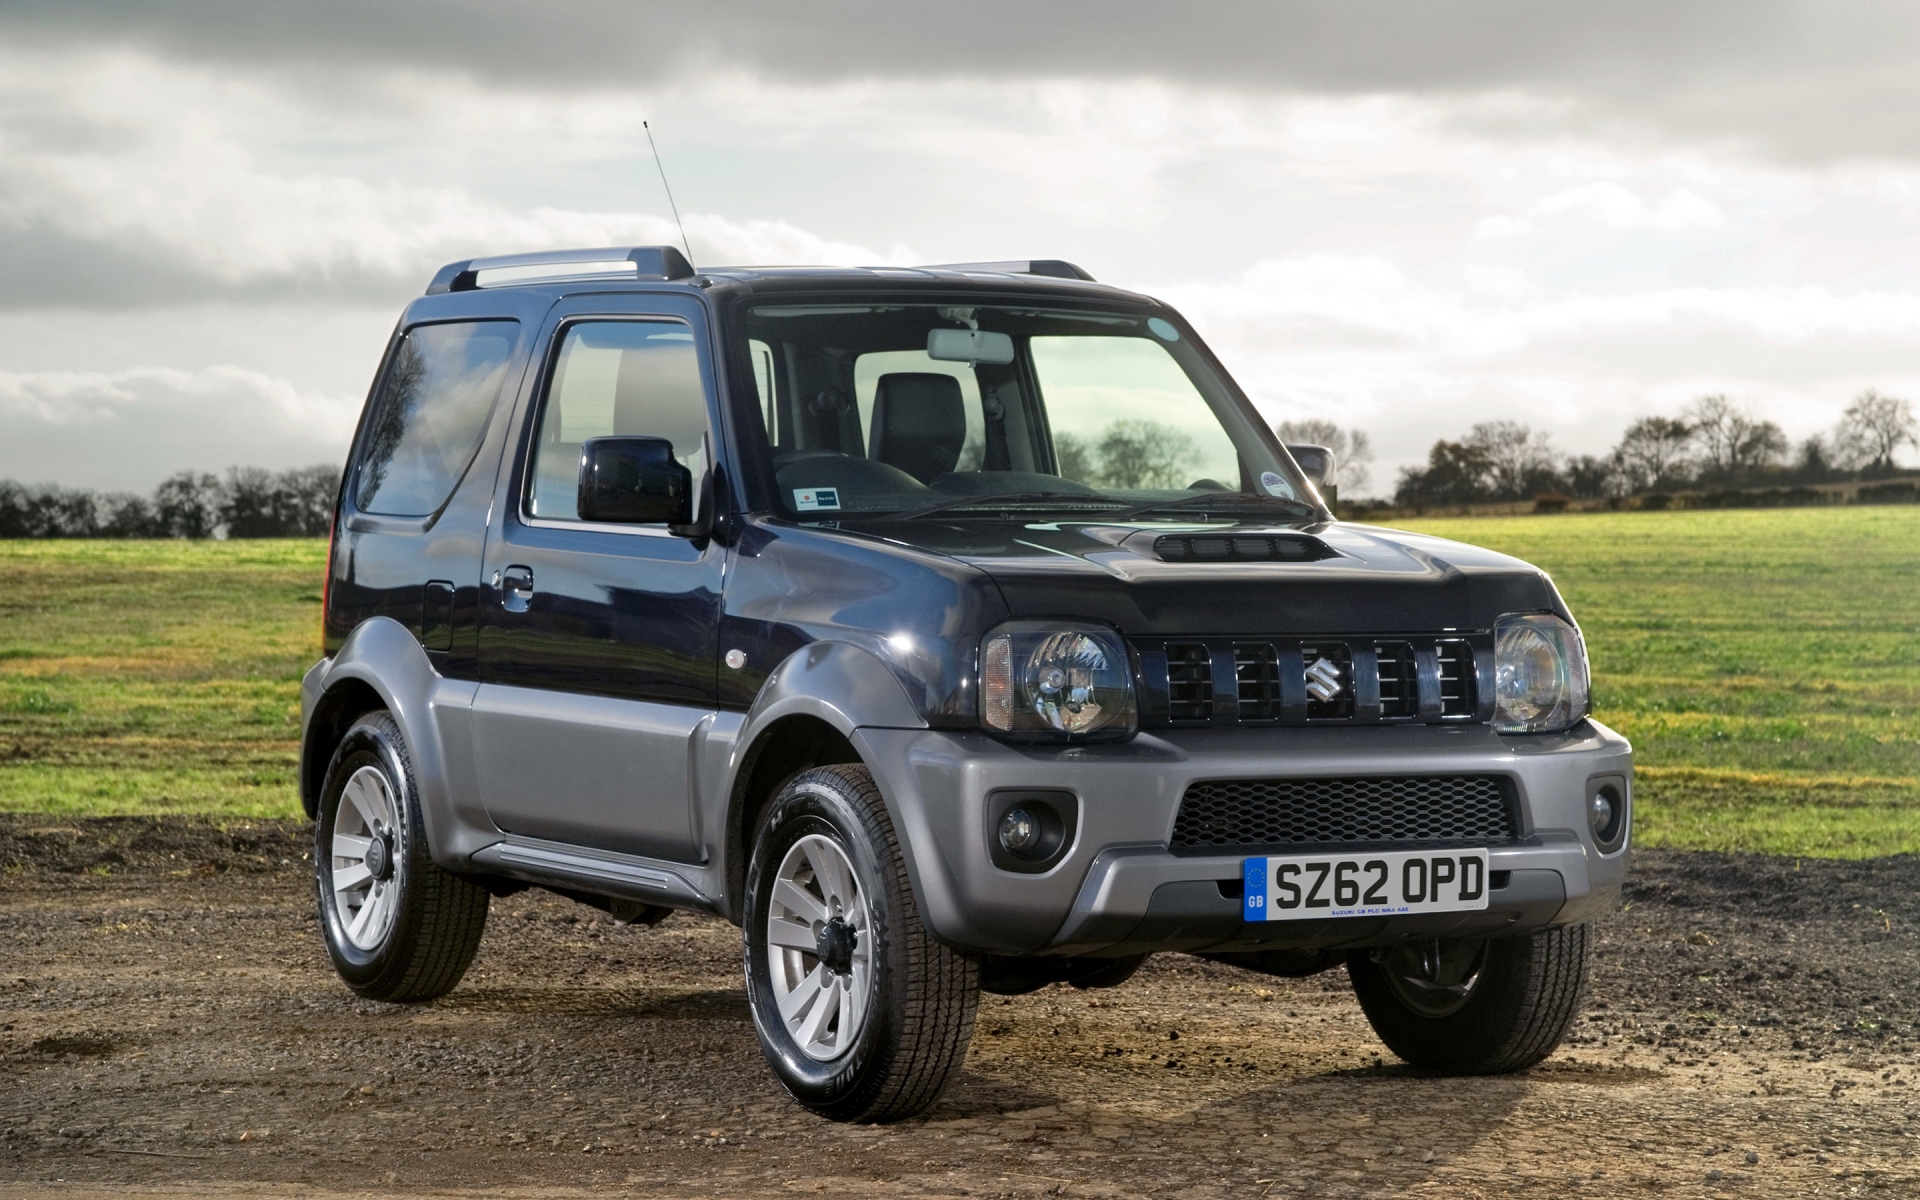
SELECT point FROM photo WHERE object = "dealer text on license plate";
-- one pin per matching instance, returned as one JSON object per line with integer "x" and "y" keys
{"x": 1299, "y": 887}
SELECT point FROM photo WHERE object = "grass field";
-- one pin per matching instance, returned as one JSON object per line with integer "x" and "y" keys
{"x": 154, "y": 676}
{"x": 1766, "y": 665}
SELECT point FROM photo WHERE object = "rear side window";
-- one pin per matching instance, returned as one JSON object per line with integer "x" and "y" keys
{"x": 430, "y": 415}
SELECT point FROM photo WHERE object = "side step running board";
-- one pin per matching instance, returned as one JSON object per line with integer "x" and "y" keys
{"x": 593, "y": 871}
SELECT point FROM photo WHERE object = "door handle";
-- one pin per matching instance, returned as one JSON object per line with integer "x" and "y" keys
{"x": 515, "y": 586}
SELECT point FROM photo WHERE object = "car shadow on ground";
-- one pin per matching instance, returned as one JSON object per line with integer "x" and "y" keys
{"x": 720, "y": 1004}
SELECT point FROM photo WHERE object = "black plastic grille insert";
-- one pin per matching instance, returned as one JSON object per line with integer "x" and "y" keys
{"x": 1401, "y": 808}
{"x": 1189, "y": 681}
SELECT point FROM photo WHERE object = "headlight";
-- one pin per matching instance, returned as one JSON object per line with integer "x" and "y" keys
{"x": 1540, "y": 674}
{"x": 1055, "y": 680}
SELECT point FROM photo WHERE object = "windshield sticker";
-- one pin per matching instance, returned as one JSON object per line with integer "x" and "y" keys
{"x": 816, "y": 499}
{"x": 1275, "y": 485}
{"x": 1163, "y": 329}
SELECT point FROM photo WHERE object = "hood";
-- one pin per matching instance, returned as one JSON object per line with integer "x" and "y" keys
{"x": 1163, "y": 579}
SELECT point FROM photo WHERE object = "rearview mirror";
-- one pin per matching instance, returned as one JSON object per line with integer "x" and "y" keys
{"x": 969, "y": 346}
{"x": 634, "y": 481}
{"x": 1316, "y": 462}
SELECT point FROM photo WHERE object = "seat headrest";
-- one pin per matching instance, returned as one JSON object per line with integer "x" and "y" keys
{"x": 919, "y": 423}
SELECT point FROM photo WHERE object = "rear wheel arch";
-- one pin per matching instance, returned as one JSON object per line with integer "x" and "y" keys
{"x": 333, "y": 715}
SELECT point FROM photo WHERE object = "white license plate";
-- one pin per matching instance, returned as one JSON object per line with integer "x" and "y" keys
{"x": 1307, "y": 886}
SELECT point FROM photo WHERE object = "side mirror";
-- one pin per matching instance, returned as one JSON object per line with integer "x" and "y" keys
{"x": 634, "y": 481}
{"x": 1316, "y": 461}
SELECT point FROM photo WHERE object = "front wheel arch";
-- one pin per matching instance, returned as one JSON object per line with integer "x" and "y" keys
{"x": 783, "y": 750}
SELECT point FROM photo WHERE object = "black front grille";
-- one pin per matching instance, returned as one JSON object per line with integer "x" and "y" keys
{"x": 1318, "y": 812}
{"x": 1311, "y": 681}
{"x": 1189, "y": 682}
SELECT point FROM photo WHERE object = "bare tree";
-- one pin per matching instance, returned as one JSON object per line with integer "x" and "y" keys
{"x": 1145, "y": 454}
{"x": 1760, "y": 444}
{"x": 1456, "y": 473}
{"x": 1352, "y": 449}
{"x": 1733, "y": 440}
{"x": 1519, "y": 458}
{"x": 1815, "y": 457}
{"x": 1591, "y": 478}
{"x": 1074, "y": 458}
{"x": 1655, "y": 450}
{"x": 1873, "y": 429}
{"x": 187, "y": 505}
{"x": 1714, "y": 419}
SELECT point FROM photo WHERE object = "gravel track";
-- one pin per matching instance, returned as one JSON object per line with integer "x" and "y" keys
{"x": 168, "y": 1024}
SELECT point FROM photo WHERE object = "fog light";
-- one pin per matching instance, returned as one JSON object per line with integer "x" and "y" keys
{"x": 1029, "y": 831}
{"x": 1607, "y": 812}
{"x": 1600, "y": 814}
{"x": 1020, "y": 833}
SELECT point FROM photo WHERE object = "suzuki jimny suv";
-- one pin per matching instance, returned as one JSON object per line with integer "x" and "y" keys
{"x": 949, "y": 629}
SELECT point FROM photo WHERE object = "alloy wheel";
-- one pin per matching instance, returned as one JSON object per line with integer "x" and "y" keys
{"x": 819, "y": 948}
{"x": 364, "y": 872}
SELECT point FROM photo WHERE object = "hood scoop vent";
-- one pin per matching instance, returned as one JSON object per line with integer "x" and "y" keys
{"x": 1241, "y": 547}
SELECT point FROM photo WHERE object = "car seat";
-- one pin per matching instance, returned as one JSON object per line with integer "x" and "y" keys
{"x": 919, "y": 423}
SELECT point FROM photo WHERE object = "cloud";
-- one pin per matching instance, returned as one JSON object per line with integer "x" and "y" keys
{"x": 126, "y": 430}
{"x": 1613, "y": 206}
{"x": 1801, "y": 79}
{"x": 1409, "y": 216}
{"x": 127, "y": 181}
{"x": 1413, "y": 355}
{"x": 1371, "y": 302}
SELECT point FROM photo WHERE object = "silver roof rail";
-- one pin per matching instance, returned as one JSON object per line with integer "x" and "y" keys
{"x": 649, "y": 263}
{"x": 1052, "y": 267}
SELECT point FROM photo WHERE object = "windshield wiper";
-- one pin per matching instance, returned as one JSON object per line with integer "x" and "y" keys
{"x": 1000, "y": 498}
{"x": 1223, "y": 502}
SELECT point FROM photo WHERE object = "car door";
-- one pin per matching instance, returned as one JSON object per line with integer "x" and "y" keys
{"x": 598, "y": 642}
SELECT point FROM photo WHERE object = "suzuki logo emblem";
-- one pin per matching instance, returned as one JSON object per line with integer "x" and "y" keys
{"x": 1323, "y": 680}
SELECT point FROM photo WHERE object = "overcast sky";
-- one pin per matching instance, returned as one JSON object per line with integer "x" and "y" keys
{"x": 1407, "y": 216}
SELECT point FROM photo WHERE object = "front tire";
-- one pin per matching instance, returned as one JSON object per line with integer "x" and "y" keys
{"x": 1479, "y": 1007}
{"x": 861, "y": 1014}
{"x": 398, "y": 928}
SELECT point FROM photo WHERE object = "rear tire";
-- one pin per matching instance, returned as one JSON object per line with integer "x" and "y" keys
{"x": 397, "y": 927}
{"x": 861, "y": 1014}
{"x": 1474, "y": 1007}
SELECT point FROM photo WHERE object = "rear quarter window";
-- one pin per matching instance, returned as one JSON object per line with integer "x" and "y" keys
{"x": 430, "y": 414}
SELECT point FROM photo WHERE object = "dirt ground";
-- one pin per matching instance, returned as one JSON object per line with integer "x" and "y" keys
{"x": 169, "y": 1025}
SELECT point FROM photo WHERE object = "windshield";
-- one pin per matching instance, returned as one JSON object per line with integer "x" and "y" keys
{"x": 902, "y": 408}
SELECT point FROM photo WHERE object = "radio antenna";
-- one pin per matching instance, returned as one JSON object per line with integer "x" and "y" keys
{"x": 669, "y": 190}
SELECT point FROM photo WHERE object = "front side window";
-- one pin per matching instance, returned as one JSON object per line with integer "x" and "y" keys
{"x": 616, "y": 378}
{"x": 886, "y": 408}
{"x": 430, "y": 415}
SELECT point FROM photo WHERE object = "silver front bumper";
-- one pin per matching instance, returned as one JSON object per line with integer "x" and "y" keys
{"x": 1120, "y": 890}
